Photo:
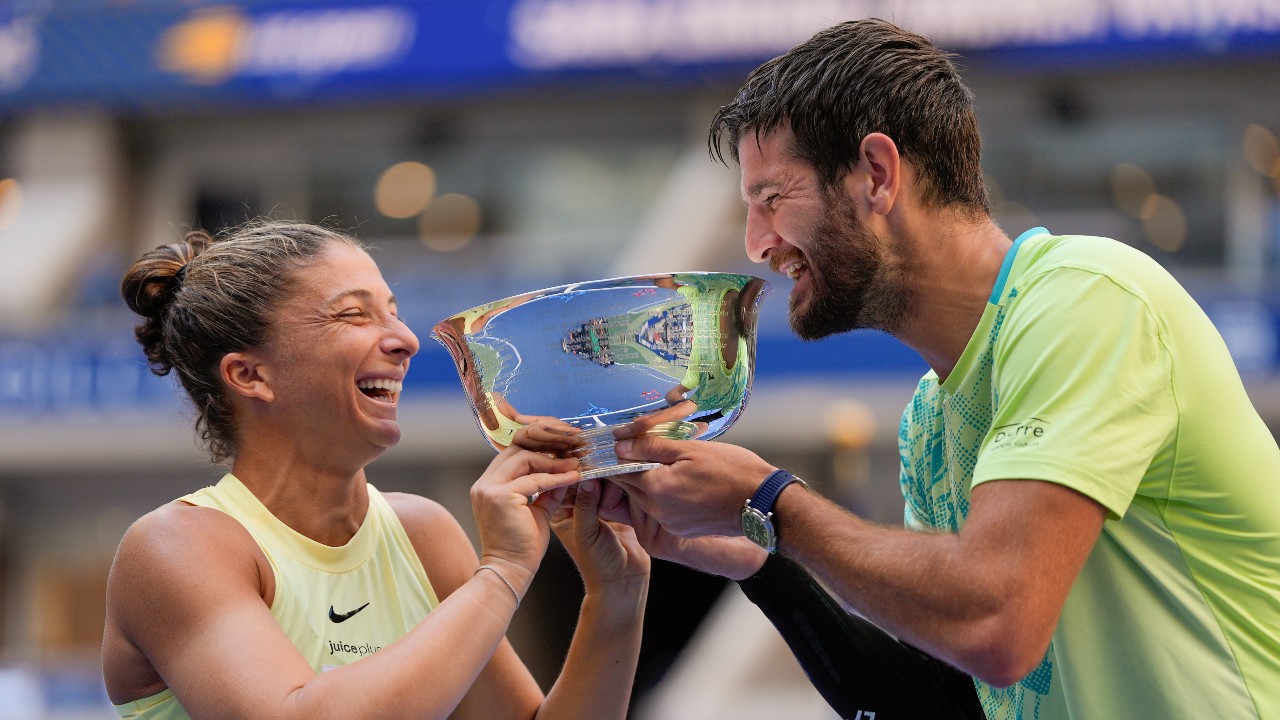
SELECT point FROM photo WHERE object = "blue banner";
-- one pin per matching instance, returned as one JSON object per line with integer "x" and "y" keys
{"x": 157, "y": 54}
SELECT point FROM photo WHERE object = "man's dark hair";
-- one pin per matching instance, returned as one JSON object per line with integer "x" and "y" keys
{"x": 854, "y": 79}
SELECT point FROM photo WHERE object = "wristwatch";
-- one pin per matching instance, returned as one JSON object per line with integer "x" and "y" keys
{"x": 757, "y": 514}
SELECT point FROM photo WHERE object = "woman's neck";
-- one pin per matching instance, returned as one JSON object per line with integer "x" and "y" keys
{"x": 324, "y": 504}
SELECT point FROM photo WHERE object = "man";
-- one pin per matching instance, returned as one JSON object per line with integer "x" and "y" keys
{"x": 1092, "y": 502}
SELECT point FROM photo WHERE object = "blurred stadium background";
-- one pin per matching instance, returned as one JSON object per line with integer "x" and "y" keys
{"x": 489, "y": 147}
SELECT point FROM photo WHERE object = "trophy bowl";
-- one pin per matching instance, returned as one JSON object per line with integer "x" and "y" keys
{"x": 602, "y": 353}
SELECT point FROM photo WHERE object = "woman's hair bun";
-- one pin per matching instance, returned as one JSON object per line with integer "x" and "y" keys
{"x": 150, "y": 287}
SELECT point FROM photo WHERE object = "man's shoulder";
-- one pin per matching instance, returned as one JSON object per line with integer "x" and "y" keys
{"x": 1089, "y": 253}
{"x": 1066, "y": 274}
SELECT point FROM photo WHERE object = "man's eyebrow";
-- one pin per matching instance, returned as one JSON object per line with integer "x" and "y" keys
{"x": 754, "y": 188}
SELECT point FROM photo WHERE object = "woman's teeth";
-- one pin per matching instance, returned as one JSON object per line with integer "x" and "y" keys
{"x": 380, "y": 388}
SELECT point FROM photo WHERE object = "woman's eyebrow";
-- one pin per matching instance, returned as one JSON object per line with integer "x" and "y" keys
{"x": 360, "y": 294}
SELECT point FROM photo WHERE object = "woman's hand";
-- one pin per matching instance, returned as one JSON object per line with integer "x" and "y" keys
{"x": 514, "y": 531}
{"x": 608, "y": 555}
{"x": 542, "y": 433}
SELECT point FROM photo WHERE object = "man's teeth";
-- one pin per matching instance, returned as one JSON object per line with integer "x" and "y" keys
{"x": 793, "y": 271}
{"x": 381, "y": 384}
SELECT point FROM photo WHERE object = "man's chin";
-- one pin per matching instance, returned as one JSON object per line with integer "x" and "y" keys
{"x": 809, "y": 328}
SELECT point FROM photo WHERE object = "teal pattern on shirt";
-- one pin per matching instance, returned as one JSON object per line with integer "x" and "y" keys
{"x": 938, "y": 442}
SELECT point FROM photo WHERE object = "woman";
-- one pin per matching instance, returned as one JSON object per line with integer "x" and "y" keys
{"x": 293, "y": 588}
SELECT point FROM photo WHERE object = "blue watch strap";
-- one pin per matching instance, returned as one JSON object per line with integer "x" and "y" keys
{"x": 767, "y": 494}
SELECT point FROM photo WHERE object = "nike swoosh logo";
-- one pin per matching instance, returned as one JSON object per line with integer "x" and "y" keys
{"x": 343, "y": 617}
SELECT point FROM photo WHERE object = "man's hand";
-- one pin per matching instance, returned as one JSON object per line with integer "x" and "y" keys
{"x": 701, "y": 488}
{"x": 735, "y": 558}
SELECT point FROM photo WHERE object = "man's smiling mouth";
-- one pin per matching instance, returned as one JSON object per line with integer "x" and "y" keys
{"x": 793, "y": 269}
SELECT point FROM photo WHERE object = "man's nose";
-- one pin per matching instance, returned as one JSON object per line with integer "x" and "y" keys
{"x": 761, "y": 238}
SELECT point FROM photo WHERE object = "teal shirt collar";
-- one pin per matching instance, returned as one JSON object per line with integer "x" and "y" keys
{"x": 998, "y": 290}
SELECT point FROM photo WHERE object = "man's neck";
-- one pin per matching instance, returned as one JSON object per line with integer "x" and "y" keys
{"x": 954, "y": 263}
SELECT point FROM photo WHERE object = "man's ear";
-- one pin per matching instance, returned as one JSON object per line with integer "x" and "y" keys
{"x": 245, "y": 375}
{"x": 883, "y": 167}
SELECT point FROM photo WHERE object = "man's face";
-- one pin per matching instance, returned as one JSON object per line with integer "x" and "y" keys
{"x": 845, "y": 276}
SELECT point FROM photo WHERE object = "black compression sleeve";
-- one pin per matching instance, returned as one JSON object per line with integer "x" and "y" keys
{"x": 861, "y": 671}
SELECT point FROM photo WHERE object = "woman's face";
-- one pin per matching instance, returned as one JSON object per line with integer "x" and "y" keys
{"x": 339, "y": 356}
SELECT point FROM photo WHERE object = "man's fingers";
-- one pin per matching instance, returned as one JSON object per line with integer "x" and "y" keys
{"x": 553, "y": 501}
{"x": 527, "y": 485}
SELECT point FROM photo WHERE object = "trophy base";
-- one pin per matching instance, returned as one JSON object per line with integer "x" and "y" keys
{"x": 610, "y": 471}
{"x": 598, "y": 459}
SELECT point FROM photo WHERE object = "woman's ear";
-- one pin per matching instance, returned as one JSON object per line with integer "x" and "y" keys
{"x": 244, "y": 375}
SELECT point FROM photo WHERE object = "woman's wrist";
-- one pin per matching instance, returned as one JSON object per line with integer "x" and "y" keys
{"x": 498, "y": 574}
{"x": 515, "y": 576}
{"x": 620, "y": 589}
{"x": 620, "y": 602}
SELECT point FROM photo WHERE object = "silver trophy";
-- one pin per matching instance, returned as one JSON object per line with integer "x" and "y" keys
{"x": 600, "y": 354}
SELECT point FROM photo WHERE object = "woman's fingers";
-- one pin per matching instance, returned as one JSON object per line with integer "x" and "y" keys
{"x": 613, "y": 502}
{"x": 540, "y": 483}
{"x": 645, "y": 423}
{"x": 585, "y": 509}
{"x": 547, "y": 434}
{"x": 514, "y": 461}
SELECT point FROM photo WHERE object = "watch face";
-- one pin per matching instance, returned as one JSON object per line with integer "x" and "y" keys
{"x": 758, "y": 528}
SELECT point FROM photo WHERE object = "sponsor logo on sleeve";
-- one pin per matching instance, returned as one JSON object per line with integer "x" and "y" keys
{"x": 1025, "y": 434}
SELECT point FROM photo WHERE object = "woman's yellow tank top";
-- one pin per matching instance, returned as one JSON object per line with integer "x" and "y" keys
{"x": 337, "y": 604}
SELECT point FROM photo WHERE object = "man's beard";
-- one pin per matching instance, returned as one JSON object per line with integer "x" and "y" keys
{"x": 851, "y": 286}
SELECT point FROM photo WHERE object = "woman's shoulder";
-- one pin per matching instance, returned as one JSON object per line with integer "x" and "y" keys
{"x": 180, "y": 537}
{"x": 185, "y": 559}
{"x": 182, "y": 521}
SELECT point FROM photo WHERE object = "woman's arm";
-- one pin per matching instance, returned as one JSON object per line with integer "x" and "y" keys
{"x": 504, "y": 688}
{"x": 600, "y": 669}
{"x": 596, "y": 679}
{"x": 186, "y": 595}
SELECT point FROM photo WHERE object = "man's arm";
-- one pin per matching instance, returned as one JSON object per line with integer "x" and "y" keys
{"x": 854, "y": 665}
{"x": 859, "y": 669}
{"x": 985, "y": 600}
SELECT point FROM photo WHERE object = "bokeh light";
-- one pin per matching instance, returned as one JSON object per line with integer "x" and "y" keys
{"x": 1164, "y": 223}
{"x": 405, "y": 189}
{"x": 1131, "y": 188}
{"x": 10, "y": 202}
{"x": 1261, "y": 150}
{"x": 450, "y": 222}
{"x": 849, "y": 423}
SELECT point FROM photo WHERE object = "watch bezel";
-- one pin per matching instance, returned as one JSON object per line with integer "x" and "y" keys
{"x": 758, "y": 528}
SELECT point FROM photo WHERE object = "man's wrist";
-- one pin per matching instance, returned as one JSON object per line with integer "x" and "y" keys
{"x": 759, "y": 522}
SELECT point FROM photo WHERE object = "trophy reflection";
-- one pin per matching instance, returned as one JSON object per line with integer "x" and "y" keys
{"x": 679, "y": 347}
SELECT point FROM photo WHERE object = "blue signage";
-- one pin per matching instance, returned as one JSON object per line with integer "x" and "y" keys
{"x": 157, "y": 54}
